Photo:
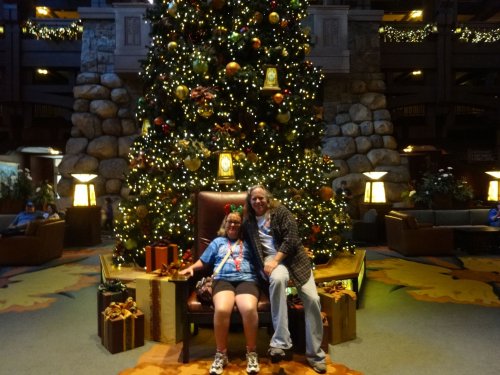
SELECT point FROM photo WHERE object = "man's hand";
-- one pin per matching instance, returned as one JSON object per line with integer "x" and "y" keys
{"x": 270, "y": 266}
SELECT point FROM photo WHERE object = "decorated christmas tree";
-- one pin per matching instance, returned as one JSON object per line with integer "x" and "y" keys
{"x": 227, "y": 85}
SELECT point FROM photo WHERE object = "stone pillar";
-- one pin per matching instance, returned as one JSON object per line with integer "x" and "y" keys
{"x": 359, "y": 131}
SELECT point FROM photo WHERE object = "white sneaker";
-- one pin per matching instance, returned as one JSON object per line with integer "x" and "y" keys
{"x": 218, "y": 364}
{"x": 252, "y": 363}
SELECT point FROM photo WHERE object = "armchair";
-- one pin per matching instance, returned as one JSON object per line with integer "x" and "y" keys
{"x": 209, "y": 213}
{"x": 43, "y": 241}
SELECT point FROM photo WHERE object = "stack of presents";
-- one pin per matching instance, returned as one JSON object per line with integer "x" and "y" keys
{"x": 134, "y": 305}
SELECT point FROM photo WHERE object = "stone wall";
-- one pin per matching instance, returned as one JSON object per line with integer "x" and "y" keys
{"x": 103, "y": 131}
{"x": 359, "y": 131}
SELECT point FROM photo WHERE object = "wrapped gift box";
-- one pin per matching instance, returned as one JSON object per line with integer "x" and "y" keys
{"x": 160, "y": 254}
{"x": 105, "y": 297}
{"x": 162, "y": 315}
{"x": 121, "y": 334}
{"x": 340, "y": 309}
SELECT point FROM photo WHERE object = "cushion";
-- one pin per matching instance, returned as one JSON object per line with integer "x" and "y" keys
{"x": 370, "y": 216}
{"x": 422, "y": 216}
{"x": 32, "y": 227}
{"x": 452, "y": 217}
{"x": 479, "y": 216}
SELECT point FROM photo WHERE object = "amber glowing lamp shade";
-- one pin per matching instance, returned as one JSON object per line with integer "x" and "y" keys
{"x": 225, "y": 170}
{"x": 493, "y": 188}
{"x": 84, "y": 190}
{"x": 374, "y": 190}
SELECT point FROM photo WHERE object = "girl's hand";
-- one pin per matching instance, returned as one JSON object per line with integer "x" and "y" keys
{"x": 186, "y": 271}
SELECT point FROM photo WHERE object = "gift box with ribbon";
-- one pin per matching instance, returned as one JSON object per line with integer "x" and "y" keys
{"x": 339, "y": 305}
{"x": 162, "y": 314}
{"x": 110, "y": 291}
{"x": 160, "y": 253}
{"x": 123, "y": 326}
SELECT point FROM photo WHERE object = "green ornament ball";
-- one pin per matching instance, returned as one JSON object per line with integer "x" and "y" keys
{"x": 200, "y": 66}
{"x": 130, "y": 244}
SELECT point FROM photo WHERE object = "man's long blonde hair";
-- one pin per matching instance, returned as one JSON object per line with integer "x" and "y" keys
{"x": 271, "y": 202}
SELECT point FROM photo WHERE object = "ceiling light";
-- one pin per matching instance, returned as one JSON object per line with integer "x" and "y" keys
{"x": 414, "y": 14}
{"x": 42, "y": 11}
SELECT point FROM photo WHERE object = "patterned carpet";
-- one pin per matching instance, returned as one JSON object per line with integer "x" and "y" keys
{"x": 459, "y": 280}
{"x": 162, "y": 359}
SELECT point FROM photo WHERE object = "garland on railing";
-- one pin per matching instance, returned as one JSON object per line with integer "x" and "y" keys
{"x": 56, "y": 33}
{"x": 414, "y": 35}
{"x": 418, "y": 35}
{"x": 477, "y": 36}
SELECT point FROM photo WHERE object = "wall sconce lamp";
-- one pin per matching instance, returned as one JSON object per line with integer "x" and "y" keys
{"x": 2, "y": 30}
{"x": 225, "y": 170}
{"x": 493, "y": 188}
{"x": 374, "y": 190}
{"x": 84, "y": 190}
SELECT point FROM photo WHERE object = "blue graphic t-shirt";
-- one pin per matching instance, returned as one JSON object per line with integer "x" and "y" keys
{"x": 237, "y": 267}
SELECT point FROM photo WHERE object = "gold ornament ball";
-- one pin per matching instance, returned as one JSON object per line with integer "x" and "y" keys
{"x": 141, "y": 211}
{"x": 192, "y": 164}
{"x": 232, "y": 68}
{"x": 239, "y": 155}
{"x": 172, "y": 46}
{"x": 181, "y": 92}
{"x": 256, "y": 43}
{"x": 274, "y": 18}
{"x": 278, "y": 98}
{"x": 262, "y": 125}
{"x": 307, "y": 49}
{"x": 252, "y": 157}
{"x": 283, "y": 117}
{"x": 205, "y": 110}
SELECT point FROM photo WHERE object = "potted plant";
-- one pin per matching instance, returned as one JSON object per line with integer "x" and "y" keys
{"x": 442, "y": 189}
{"x": 15, "y": 191}
{"x": 44, "y": 194}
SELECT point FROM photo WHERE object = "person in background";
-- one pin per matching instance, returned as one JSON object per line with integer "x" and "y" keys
{"x": 236, "y": 282}
{"x": 343, "y": 191}
{"x": 272, "y": 234}
{"x": 494, "y": 216}
{"x": 21, "y": 221}
{"x": 51, "y": 213}
{"x": 108, "y": 211}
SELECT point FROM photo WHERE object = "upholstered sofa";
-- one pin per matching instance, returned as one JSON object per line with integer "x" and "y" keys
{"x": 43, "y": 241}
{"x": 429, "y": 232}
